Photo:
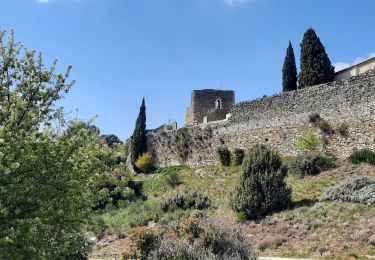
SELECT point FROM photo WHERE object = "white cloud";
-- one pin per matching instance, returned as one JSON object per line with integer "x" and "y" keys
{"x": 343, "y": 65}
{"x": 233, "y": 2}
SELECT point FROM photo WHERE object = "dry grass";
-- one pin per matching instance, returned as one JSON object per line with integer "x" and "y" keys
{"x": 310, "y": 228}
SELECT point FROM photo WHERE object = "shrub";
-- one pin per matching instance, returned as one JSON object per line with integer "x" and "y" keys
{"x": 271, "y": 242}
{"x": 307, "y": 141}
{"x": 173, "y": 179}
{"x": 182, "y": 143}
{"x": 186, "y": 201}
{"x": 225, "y": 243}
{"x": 325, "y": 163}
{"x": 309, "y": 164}
{"x": 343, "y": 130}
{"x": 304, "y": 165}
{"x": 170, "y": 248}
{"x": 143, "y": 241}
{"x": 262, "y": 188}
{"x": 98, "y": 227}
{"x": 325, "y": 127}
{"x": 362, "y": 156}
{"x": 134, "y": 214}
{"x": 241, "y": 217}
{"x": 238, "y": 156}
{"x": 317, "y": 121}
{"x": 112, "y": 187}
{"x": 144, "y": 162}
{"x": 353, "y": 189}
{"x": 224, "y": 156}
{"x": 211, "y": 243}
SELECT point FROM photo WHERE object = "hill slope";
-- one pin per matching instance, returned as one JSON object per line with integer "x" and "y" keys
{"x": 311, "y": 228}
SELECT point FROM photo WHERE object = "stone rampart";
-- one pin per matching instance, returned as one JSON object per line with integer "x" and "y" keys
{"x": 278, "y": 120}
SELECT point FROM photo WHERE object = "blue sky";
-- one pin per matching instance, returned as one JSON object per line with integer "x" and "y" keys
{"x": 122, "y": 50}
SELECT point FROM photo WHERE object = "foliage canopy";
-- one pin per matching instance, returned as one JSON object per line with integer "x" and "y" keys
{"x": 262, "y": 188}
{"x": 316, "y": 67}
{"x": 139, "y": 138}
{"x": 289, "y": 70}
{"x": 45, "y": 197}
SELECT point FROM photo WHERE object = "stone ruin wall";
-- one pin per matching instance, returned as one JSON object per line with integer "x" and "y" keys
{"x": 203, "y": 104}
{"x": 277, "y": 121}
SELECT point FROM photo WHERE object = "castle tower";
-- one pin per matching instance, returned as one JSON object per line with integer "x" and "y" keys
{"x": 209, "y": 105}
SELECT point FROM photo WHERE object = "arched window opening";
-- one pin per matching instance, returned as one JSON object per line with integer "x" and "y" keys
{"x": 218, "y": 104}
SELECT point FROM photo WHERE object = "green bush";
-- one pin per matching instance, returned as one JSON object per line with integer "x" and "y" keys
{"x": 134, "y": 214}
{"x": 109, "y": 188}
{"x": 307, "y": 141}
{"x": 98, "y": 227}
{"x": 241, "y": 217}
{"x": 362, "y": 156}
{"x": 238, "y": 156}
{"x": 182, "y": 144}
{"x": 186, "y": 201}
{"x": 144, "y": 162}
{"x": 325, "y": 163}
{"x": 353, "y": 189}
{"x": 224, "y": 156}
{"x": 310, "y": 164}
{"x": 173, "y": 179}
{"x": 262, "y": 188}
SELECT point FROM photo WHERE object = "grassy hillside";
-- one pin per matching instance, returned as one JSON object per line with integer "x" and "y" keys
{"x": 310, "y": 228}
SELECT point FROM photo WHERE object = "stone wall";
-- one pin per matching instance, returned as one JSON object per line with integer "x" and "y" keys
{"x": 277, "y": 121}
{"x": 203, "y": 104}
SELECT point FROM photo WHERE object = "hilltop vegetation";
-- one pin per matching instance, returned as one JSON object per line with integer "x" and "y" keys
{"x": 309, "y": 228}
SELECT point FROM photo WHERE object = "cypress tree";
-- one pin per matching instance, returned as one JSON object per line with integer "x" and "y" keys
{"x": 316, "y": 67}
{"x": 289, "y": 70}
{"x": 139, "y": 139}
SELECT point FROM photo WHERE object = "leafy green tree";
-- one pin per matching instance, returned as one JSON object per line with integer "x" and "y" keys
{"x": 139, "y": 138}
{"x": 45, "y": 198}
{"x": 262, "y": 188}
{"x": 289, "y": 70}
{"x": 112, "y": 139}
{"x": 316, "y": 67}
{"x": 109, "y": 183}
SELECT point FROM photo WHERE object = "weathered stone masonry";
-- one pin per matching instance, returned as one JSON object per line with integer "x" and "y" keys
{"x": 278, "y": 120}
{"x": 210, "y": 105}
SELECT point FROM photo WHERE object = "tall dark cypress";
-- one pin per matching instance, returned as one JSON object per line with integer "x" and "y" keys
{"x": 139, "y": 139}
{"x": 289, "y": 70}
{"x": 316, "y": 67}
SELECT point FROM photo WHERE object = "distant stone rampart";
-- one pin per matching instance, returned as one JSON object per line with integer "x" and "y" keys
{"x": 278, "y": 120}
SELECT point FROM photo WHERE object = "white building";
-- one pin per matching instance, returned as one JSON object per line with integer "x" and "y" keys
{"x": 356, "y": 69}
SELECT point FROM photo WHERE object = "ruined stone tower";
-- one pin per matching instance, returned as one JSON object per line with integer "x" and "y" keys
{"x": 209, "y": 105}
